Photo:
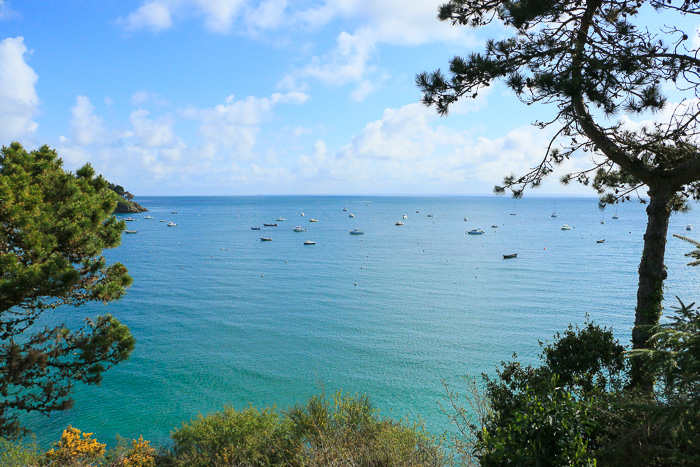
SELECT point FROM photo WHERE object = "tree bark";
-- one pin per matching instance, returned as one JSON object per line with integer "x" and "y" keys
{"x": 652, "y": 273}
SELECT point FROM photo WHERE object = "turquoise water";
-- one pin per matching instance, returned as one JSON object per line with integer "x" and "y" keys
{"x": 222, "y": 318}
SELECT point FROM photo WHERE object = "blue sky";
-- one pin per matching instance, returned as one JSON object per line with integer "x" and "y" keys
{"x": 238, "y": 97}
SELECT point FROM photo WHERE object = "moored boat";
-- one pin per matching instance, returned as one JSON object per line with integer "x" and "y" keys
{"x": 265, "y": 239}
{"x": 398, "y": 223}
{"x": 356, "y": 232}
{"x": 565, "y": 227}
{"x": 299, "y": 228}
{"x": 512, "y": 255}
{"x": 475, "y": 232}
{"x": 309, "y": 242}
{"x": 255, "y": 228}
{"x": 171, "y": 224}
{"x": 313, "y": 220}
{"x": 131, "y": 231}
{"x": 270, "y": 225}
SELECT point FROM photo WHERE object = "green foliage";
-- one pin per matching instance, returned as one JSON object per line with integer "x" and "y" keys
{"x": 231, "y": 437}
{"x": 547, "y": 426}
{"x": 54, "y": 226}
{"x": 675, "y": 361}
{"x": 19, "y": 453}
{"x": 345, "y": 430}
{"x": 577, "y": 407}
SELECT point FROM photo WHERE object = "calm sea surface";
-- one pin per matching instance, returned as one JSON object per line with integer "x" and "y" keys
{"x": 221, "y": 318}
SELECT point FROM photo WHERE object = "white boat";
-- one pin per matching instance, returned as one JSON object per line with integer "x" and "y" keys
{"x": 299, "y": 228}
{"x": 302, "y": 214}
{"x": 131, "y": 231}
{"x": 313, "y": 220}
{"x": 398, "y": 223}
{"x": 616, "y": 216}
{"x": 554, "y": 214}
{"x": 689, "y": 227}
{"x": 475, "y": 232}
{"x": 405, "y": 216}
{"x": 130, "y": 219}
{"x": 149, "y": 217}
{"x": 466, "y": 218}
{"x": 171, "y": 224}
{"x": 356, "y": 232}
{"x": 265, "y": 239}
{"x": 281, "y": 219}
{"x": 309, "y": 242}
{"x": 351, "y": 215}
{"x": 565, "y": 227}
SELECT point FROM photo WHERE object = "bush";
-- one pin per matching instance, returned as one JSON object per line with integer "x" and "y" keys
{"x": 345, "y": 430}
{"x": 19, "y": 453}
{"x": 231, "y": 437}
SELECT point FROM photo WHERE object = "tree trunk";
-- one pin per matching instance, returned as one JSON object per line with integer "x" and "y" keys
{"x": 652, "y": 273}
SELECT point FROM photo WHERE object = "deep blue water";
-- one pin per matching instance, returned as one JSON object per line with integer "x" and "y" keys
{"x": 222, "y": 318}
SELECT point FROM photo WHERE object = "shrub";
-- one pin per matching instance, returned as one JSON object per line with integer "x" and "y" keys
{"x": 72, "y": 449}
{"x": 231, "y": 437}
{"x": 19, "y": 453}
{"x": 347, "y": 430}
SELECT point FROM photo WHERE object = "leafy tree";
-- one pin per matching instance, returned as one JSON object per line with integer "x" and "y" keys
{"x": 592, "y": 60}
{"x": 118, "y": 189}
{"x": 53, "y": 228}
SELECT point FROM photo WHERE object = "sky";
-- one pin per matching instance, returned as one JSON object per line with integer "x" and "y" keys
{"x": 259, "y": 97}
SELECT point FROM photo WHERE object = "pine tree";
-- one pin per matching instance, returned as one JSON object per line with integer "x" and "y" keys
{"x": 53, "y": 228}
{"x": 593, "y": 60}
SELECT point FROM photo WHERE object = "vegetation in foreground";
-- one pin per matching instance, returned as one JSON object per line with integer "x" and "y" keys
{"x": 579, "y": 407}
{"x": 341, "y": 430}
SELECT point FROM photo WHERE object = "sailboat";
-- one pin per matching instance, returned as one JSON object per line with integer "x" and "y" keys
{"x": 513, "y": 213}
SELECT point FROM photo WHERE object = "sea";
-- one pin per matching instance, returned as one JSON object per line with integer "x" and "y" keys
{"x": 222, "y": 318}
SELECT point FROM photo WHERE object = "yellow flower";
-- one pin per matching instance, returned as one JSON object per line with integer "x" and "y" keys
{"x": 72, "y": 448}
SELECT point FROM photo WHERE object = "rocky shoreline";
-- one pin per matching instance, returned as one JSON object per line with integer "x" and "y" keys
{"x": 128, "y": 207}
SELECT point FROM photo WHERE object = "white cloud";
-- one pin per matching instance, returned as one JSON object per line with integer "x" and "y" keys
{"x": 219, "y": 14}
{"x": 19, "y": 101}
{"x": 154, "y": 16}
{"x": 401, "y": 134}
{"x": 6, "y": 12}
{"x": 86, "y": 127}
{"x": 152, "y": 133}
{"x": 268, "y": 15}
{"x": 234, "y": 125}
{"x": 142, "y": 97}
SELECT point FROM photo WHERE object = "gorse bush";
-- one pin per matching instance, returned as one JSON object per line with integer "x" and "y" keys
{"x": 74, "y": 449}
